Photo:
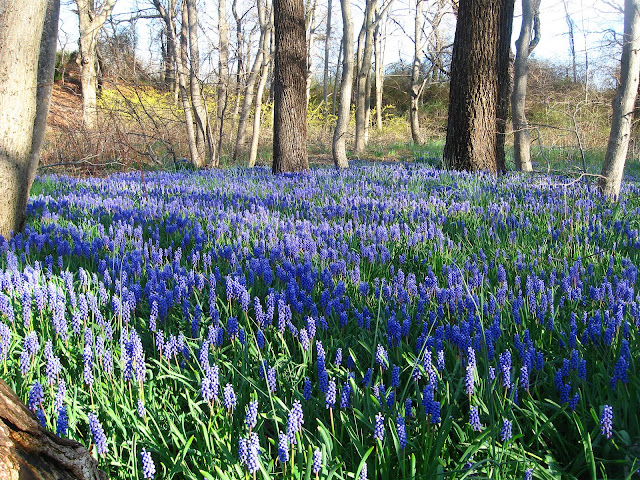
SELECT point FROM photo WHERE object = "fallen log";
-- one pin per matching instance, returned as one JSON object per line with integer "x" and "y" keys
{"x": 28, "y": 451}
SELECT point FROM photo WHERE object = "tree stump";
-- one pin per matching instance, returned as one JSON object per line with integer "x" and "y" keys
{"x": 28, "y": 451}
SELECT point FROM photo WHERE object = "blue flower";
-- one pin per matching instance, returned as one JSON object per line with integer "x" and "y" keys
{"x": 402, "y": 432}
{"x": 474, "y": 419}
{"x": 505, "y": 431}
{"x": 97, "y": 432}
{"x": 251, "y": 417}
{"x": 606, "y": 421}
{"x": 229, "y": 397}
{"x": 378, "y": 430}
{"x": 317, "y": 461}
{"x": 283, "y": 447}
{"x": 148, "y": 467}
{"x": 330, "y": 397}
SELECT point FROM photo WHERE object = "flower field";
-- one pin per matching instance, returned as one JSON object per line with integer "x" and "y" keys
{"x": 386, "y": 322}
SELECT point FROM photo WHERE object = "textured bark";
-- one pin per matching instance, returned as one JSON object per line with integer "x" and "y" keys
{"x": 289, "y": 88}
{"x": 251, "y": 83}
{"x": 334, "y": 103}
{"x": 344, "y": 111}
{"x": 327, "y": 44}
{"x": 416, "y": 84}
{"x": 310, "y": 27}
{"x": 223, "y": 66}
{"x": 623, "y": 104}
{"x": 364, "y": 77}
{"x": 28, "y": 35}
{"x": 524, "y": 46}
{"x": 505, "y": 29}
{"x": 90, "y": 21}
{"x": 474, "y": 98}
{"x": 27, "y": 451}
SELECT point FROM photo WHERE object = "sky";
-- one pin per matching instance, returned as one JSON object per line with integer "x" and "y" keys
{"x": 594, "y": 21}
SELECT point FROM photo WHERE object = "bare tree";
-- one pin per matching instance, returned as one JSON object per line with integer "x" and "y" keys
{"x": 524, "y": 46}
{"x": 344, "y": 111}
{"x": 572, "y": 42}
{"x": 28, "y": 33}
{"x": 623, "y": 103}
{"x": 416, "y": 85}
{"x": 264, "y": 74}
{"x": 289, "y": 87}
{"x": 478, "y": 55}
{"x": 327, "y": 45}
{"x": 363, "y": 80}
{"x": 204, "y": 135}
{"x": 311, "y": 26}
{"x": 223, "y": 72}
{"x": 380, "y": 36}
{"x": 91, "y": 19}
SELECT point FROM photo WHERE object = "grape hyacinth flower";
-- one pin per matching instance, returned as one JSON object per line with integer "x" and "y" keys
{"x": 363, "y": 472}
{"x": 316, "y": 466}
{"x": 36, "y": 395}
{"x": 345, "y": 395}
{"x": 306, "y": 392}
{"x": 606, "y": 421}
{"x": 295, "y": 421}
{"x": 251, "y": 417}
{"x": 382, "y": 358}
{"x": 62, "y": 424}
{"x": 505, "y": 431}
{"x": 528, "y": 474}
{"x": 253, "y": 453}
{"x": 97, "y": 432}
{"x": 148, "y": 467}
{"x": 283, "y": 447}
{"x": 230, "y": 400}
{"x": 378, "y": 430}
{"x": 271, "y": 379}
{"x": 330, "y": 398}
{"x": 140, "y": 408}
{"x": 474, "y": 419}
{"x": 402, "y": 432}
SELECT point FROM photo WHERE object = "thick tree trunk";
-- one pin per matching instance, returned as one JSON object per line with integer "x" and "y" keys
{"x": 364, "y": 78}
{"x": 223, "y": 65}
{"x": 289, "y": 88}
{"x": 623, "y": 103}
{"x": 416, "y": 84}
{"x": 334, "y": 101}
{"x": 90, "y": 21}
{"x": 344, "y": 111}
{"x": 327, "y": 45}
{"x": 310, "y": 27}
{"x": 28, "y": 35}
{"x": 524, "y": 46}
{"x": 505, "y": 29}
{"x": 28, "y": 451}
{"x": 472, "y": 127}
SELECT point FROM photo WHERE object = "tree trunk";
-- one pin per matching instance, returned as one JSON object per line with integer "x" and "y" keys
{"x": 90, "y": 22}
{"x": 251, "y": 83}
{"x": 223, "y": 65}
{"x": 204, "y": 135}
{"x": 28, "y": 36}
{"x": 327, "y": 44}
{"x": 344, "y": 112}
{"x": 505, "y": 29}
{"x": 623, "y": 104}
{"x": 524, "y": 46}
{"x": 289, "y": 88}
{"x": 572, "y": 42}
{"x": 380, "y": 39}
{"x": 472, "y": 126}
{"x": 334, "y": 100}
{"x": 171, "y": 55}
{"x": 416, "y": 84}
{"x": 364, "y": 78}
{"x": 310, "y": 27}
{"x": 239, "y": 60}
{"x": 255, "y": 138}
{"x": 196, "y": 157}
{"x": 29, "y": 451}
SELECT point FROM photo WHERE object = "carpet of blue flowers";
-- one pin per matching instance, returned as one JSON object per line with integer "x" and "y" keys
{"x": 387, "y": 322}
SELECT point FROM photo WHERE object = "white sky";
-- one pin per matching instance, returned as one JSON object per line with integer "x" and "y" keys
{"x": 592, "y": 18}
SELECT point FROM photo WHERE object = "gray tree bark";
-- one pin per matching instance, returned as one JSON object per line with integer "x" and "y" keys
{"x": 524, "y": 46}
{"x": 241, "y": 137}
{"x": 223, "y": 66}
{"x": 623, "y": 104}
{"x": 257, "y": 116}
{"x": 91, "y": 18}
{"x": 364, "y": 77}
{"x": 344, "y": 110}
{"x": 380, "y": 36}
{"x": 28, "y": 36}
{"x": 327, "y": 45}
{"x": 289, "y": 88}
{"x": 204, "y": 134}
{"x": 310, "y": 26}
{"x": 416, "y": 84}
